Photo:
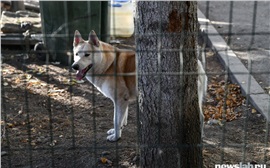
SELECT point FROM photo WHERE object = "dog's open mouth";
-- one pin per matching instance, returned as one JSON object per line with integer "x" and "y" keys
{"x": 81, "y": 73}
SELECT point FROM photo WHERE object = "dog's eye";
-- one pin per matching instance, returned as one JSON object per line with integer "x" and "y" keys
{"x": 77, "y": 54}
{"x": 86, "y": 55}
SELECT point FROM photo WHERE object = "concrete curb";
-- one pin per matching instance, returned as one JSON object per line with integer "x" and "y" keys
{"x": 238, "y": 72}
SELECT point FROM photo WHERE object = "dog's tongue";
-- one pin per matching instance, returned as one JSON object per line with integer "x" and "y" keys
{"x": 80, "y": 75}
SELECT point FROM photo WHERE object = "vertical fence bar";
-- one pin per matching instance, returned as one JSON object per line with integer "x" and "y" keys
{"x": 138, "y": 123}
{"x": 26, "y": 108}
{"x": 249, "y": 81}
{"x": 72, "y": 116}
{"x": 4, "y": 129}
{"x": 267, "y": 123}
{"x": 49, "y": 110}
{"x": 267, "y": 135}
{"x": 226, "y": 85}
{"x": 159, "y": 71}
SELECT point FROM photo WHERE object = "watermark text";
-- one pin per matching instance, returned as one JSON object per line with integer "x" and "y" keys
{"x": 240, "y": 165}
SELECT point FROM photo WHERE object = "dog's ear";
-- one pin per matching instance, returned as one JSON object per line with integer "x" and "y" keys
{"x": 93, "y": 39}
{"x": 77, "y": 38}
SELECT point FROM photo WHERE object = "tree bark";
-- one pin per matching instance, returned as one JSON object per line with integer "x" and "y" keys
{"x": 167, "y": 84}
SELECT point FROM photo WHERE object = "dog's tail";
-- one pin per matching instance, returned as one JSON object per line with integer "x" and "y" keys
{"x": 202, "y": 79}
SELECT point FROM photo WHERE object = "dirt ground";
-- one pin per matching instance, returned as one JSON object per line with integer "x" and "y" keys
{"x": 49, "y": 119}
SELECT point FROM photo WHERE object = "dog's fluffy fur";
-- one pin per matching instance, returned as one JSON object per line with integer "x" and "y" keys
{"x": 113, "y": 73}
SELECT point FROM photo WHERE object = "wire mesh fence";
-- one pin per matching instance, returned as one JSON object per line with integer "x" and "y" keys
{"x": 51, "y": 119}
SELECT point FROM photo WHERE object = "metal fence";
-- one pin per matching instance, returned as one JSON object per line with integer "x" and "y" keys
{"x": 50, "y": 119}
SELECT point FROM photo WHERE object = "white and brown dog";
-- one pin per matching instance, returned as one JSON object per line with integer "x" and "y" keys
{"x": 113, "y": 72}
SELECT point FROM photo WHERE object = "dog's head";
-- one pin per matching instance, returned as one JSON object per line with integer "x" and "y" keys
{"x": 86, "y": 54}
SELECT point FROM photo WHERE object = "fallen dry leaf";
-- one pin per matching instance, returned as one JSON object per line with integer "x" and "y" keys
{"x": 225, "y": 98}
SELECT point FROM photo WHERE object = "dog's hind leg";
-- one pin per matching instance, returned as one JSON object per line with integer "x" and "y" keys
{"x": 125, "y": 118}
{"x": 120, "y": 109}
{"x": 202, "y": 88}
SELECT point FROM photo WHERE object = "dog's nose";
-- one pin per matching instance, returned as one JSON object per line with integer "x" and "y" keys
{"x": 75, "y": 66}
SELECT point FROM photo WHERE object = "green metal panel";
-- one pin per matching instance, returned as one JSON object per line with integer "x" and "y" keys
{"x": 60, "y": 19}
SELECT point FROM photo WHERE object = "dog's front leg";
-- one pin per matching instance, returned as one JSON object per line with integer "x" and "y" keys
{"x": 120, "y": 109}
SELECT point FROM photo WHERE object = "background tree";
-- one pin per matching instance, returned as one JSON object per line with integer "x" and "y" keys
{"x": 168, "y": 103}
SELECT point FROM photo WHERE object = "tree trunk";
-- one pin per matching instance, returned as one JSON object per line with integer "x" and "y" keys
{"x": 167, "y": 84}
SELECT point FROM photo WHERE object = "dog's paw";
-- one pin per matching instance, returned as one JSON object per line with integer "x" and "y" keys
{"x": 111, "y": 131}
{"x": 125, "y": 122}
{"x": 202, "y": 134}
{"x": 112, "y": 138}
